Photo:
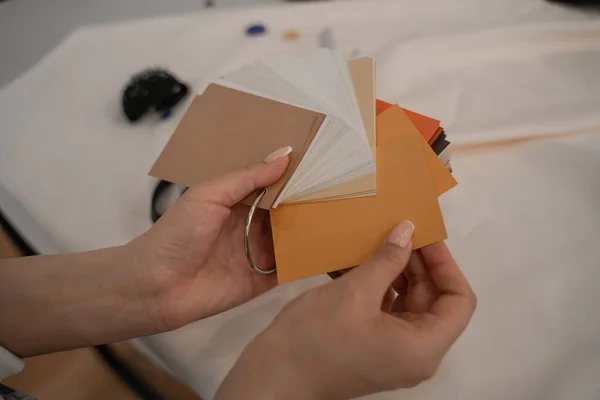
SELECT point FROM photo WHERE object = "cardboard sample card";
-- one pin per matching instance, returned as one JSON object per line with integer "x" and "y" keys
{"x": 201, "y": 147}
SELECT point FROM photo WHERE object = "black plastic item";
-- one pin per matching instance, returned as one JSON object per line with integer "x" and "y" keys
{"x": 159, "y": 192}
{"x": 152, "y": 90}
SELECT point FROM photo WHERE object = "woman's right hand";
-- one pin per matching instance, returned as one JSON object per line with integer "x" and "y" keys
{"x": 350, "y": 338}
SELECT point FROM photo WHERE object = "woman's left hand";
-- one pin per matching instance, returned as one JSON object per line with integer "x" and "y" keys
{"x": 193, "y": 257}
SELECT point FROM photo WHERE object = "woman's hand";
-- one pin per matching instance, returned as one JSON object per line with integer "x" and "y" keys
{"x": 189, "y": 265}
{"x": 194, "y": 254}
{"x": 349, "y": 338}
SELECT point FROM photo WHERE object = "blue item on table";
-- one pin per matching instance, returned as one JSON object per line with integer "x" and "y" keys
{"x": 256, "y": 30}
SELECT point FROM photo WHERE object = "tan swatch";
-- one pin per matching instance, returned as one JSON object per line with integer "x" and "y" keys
{"x": 225, "y": 129}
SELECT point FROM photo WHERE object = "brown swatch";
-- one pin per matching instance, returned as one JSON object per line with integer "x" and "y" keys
{"x": 225, "y": 129}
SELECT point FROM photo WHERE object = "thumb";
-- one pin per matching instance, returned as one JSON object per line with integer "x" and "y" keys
{"x": 233, "y": 187}
{"x": 378, "y": 274}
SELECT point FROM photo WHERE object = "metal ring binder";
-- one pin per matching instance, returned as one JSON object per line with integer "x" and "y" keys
{"x": 259, "y": 195}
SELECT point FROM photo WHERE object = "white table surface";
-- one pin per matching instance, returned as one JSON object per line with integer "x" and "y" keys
{"x": 523, "y": 223}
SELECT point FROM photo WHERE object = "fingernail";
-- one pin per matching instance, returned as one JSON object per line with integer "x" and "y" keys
{"x": 402, "y": 234}
{"x": 277, "y": 154}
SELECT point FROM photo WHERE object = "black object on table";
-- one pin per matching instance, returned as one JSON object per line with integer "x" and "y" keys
{"x": 152, "y": 90}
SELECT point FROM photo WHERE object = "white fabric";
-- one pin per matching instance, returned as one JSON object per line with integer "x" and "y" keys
{"x": 523, "y": 223}
{"x": 9, "y": 364}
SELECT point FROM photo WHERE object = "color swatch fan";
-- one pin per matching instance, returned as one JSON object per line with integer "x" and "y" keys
{"x": 359, "y": 165}
{"x": 307, "y": 102}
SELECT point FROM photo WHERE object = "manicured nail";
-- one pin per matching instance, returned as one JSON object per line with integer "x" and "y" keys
{"x": 402, "y": 234}
{"x": 277, "y": 154}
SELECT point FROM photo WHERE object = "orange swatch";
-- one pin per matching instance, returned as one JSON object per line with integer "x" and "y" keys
{"x": 428, "y": 127}
{"x": 315, "y": 238}
{"x": 442, "y": 178}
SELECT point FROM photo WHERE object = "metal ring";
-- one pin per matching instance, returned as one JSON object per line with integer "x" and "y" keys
{"x": 259, "y": 195}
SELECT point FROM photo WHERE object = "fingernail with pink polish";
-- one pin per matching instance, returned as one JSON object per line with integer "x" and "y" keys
{"x": 402, "y": 234}
{"x": 277, "y": 154}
